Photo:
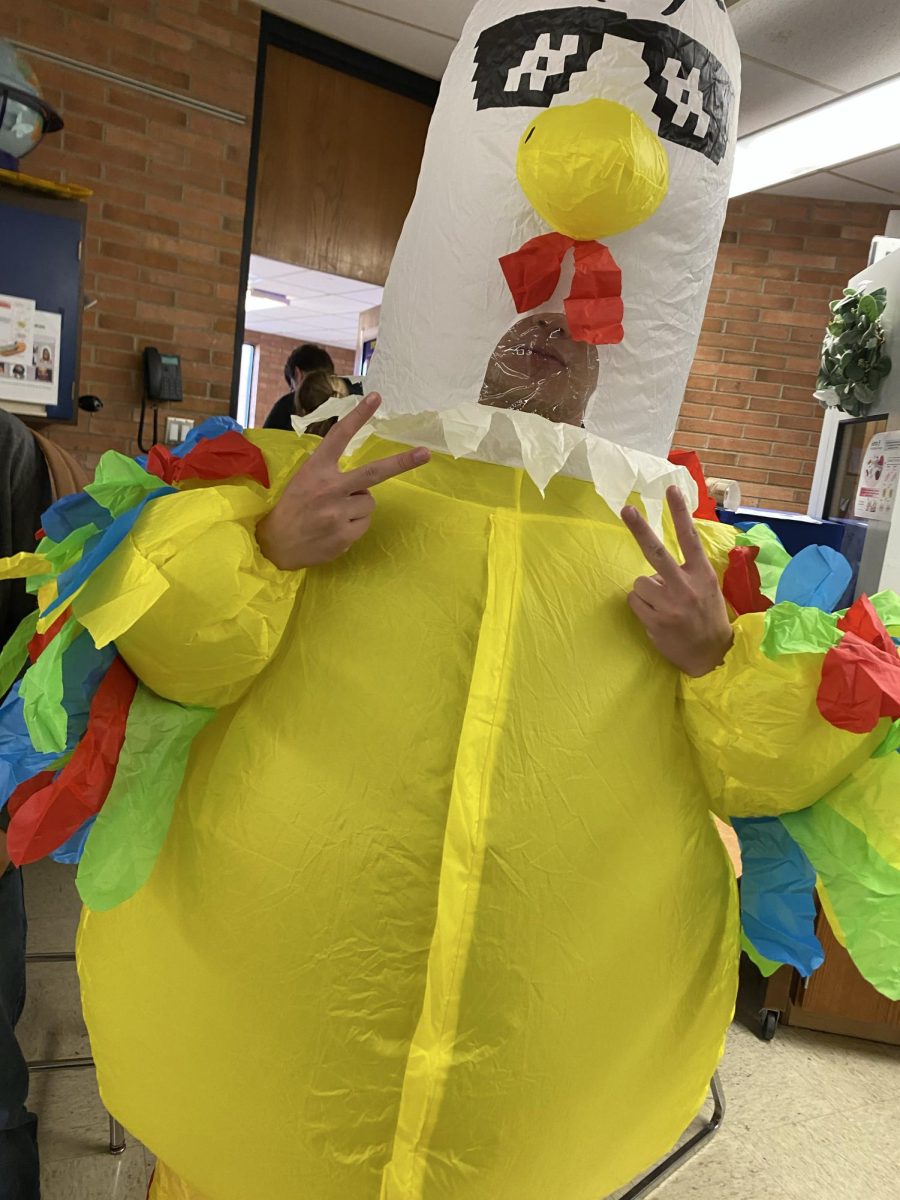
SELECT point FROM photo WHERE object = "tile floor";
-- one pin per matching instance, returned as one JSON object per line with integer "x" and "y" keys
{"x": 810, "y": 1117}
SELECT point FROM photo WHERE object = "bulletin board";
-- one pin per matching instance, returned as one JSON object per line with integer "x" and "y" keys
{"x": 41, "y": 303}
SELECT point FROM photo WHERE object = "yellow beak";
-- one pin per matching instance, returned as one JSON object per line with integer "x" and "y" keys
{"x": 592, "y": 170}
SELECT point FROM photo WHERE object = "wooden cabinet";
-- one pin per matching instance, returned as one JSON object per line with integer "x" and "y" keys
{"x": 836, "y": 999}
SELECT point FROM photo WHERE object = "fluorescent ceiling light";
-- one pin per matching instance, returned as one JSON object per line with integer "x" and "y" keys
{"x": 256, "y": 301}
{"x": 841, "y": 131}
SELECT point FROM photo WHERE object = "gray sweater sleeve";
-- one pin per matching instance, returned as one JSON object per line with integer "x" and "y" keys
{"x": 24, "y": 495}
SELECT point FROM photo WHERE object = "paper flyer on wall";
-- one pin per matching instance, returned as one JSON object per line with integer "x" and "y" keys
{"x": 879, "y": 478}
{"x": 16, "y": 331}
{"x": 34, "y": 381}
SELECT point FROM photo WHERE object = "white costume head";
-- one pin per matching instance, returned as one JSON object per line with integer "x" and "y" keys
{"x": 640, "y": 161}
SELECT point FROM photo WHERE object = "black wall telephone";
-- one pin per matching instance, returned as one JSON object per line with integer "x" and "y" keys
{"x": 162, "y": 385}
{"x": 162, "y": 376}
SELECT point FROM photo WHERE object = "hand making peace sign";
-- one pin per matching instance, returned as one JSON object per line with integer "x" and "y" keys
{"x": 324, "y": 510}
{"x": 681, "y": 607}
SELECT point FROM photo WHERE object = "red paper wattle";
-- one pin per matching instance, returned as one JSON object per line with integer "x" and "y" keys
{"x": 593, "y": 307}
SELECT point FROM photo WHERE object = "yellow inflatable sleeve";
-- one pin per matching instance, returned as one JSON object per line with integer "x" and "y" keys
{"x": 762, "y": 744}
{"x": 192, "y": 604}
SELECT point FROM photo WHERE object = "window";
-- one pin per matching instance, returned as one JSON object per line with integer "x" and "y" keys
{"x": 246, "y": 404}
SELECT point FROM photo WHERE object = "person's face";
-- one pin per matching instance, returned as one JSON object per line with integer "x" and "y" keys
{"x": 538, "y": 367}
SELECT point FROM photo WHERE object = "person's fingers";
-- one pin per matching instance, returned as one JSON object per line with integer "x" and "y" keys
{"x": 644, "y": 612}
{"x": 335, "y": 442}
{"x": 686, "y": 530}
{"x": 360, "y": 528}
{"x": 652, "y": 591}
{"x": 652, "y": 548}
{"x": 360, "y": 506}
{"x": 373, "y": 473}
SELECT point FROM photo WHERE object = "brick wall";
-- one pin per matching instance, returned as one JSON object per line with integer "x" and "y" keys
{"x": 273, "y": 352}
{"x": 749, "y": 409}
{"x": 162, "y": 255}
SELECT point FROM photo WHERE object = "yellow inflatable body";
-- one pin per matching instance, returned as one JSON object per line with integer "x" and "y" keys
{"x": 443, "y": 913}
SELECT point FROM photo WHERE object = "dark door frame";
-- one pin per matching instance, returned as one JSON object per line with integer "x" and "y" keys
{"x": 297, "y": 39}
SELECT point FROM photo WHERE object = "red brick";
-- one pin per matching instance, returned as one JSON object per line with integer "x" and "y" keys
{"x": 814, "y": 332}
{"x": 733, "y": 312}
{"x": 752, "y": 358}
{"x": 125, "y": 215}
{"x": 786, "y": 378}
{"x": 727, "y": 436}
{"x": 766, "y": 271}
{"x": 728, "y": 341}
{"x": 742, "y": 283}
{"x": 775, "y": 345}
{"x": 742, "y": 253}
{"x": 739, "y": 221}
{"x": 795, "y": 320}
{"x": 837, "y": 280}
{"x": 723, "y": 370}
{"x": 95, "y": 9}
{"x": 842, "y": 248}
{"x": 127, "y": 324}
{"x": 812, "y": 424}
{"x": 748, "y": 387}
{"x": 758, "y": 330}
{"x": 775, "y": 241}
{"x": 802, "y": 393}
{"x": 154, "y": 31}
{"x": 804, "y": 228}
{"x": 789, "y": 287}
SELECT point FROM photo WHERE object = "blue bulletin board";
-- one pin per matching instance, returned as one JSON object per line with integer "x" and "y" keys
{"x": 40, "y": 259}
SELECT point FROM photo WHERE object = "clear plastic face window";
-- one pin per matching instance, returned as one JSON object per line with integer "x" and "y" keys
{"x": 538, "y": 367}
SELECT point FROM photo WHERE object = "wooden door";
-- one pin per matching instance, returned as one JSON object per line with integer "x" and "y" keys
{"x": 338, "y": 164}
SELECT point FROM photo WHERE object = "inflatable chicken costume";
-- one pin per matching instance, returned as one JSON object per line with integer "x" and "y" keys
{"x": 400, "y": 873}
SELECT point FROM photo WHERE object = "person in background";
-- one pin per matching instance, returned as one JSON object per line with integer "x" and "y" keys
{"x": 33, "y": 473}
{"x": 317, "y": 388}
{"x": 302, "y": 362}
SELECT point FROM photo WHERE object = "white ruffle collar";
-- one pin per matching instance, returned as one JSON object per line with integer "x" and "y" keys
{"x": 526, "y": 442}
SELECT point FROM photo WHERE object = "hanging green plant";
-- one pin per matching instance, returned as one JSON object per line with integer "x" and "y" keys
{"x": 854, "y": 363}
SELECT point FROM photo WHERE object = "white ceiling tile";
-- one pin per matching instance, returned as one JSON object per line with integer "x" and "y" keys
{"x": 367, "y": 297}
{"x": 447, "y": 17}
{"x": 830, "y": 42}
{"x": 770, "y": 95}
{"x": 828, "y": 186}
{"x": 423, "y": 42}
{"x": 881, "y": 170}
{"x": 327, "y": 306}
{"x": 293, "y": 290}
{"x": 332, "y": 285}
{"x": 258, "y": 321}
{"x": 265, "y": 268}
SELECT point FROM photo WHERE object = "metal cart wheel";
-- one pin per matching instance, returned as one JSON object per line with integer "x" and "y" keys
{"x": 768, "y": 1023}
